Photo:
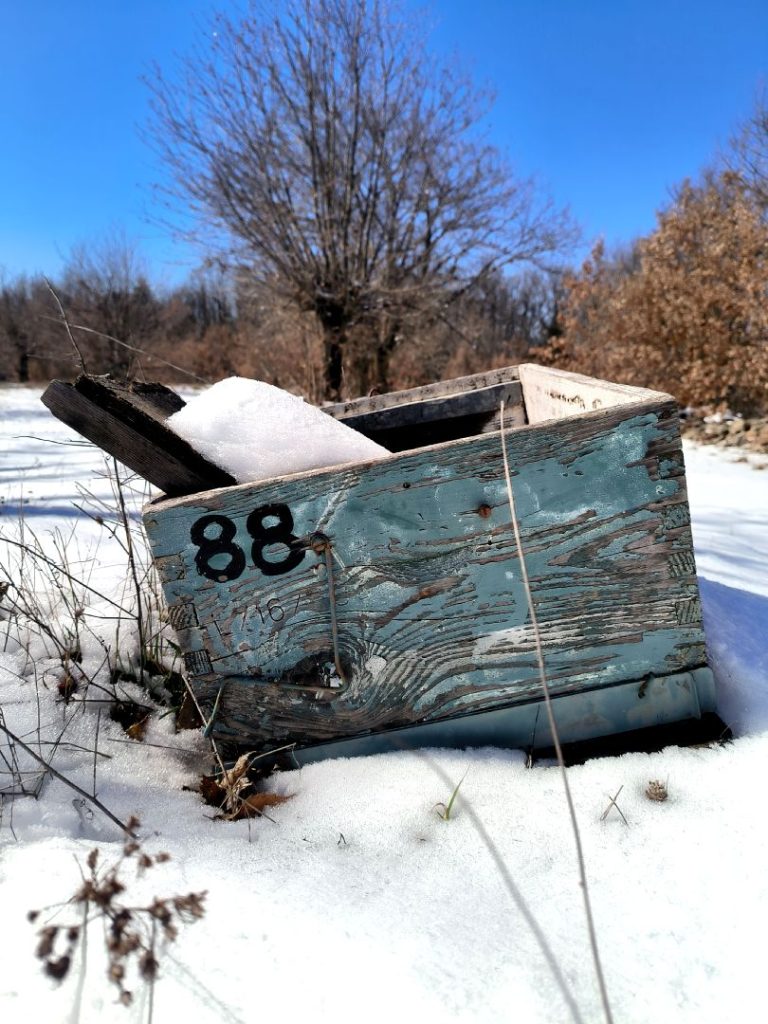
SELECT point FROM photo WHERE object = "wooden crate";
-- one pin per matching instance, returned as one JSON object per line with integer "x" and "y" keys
{"x": 380, "y": 605}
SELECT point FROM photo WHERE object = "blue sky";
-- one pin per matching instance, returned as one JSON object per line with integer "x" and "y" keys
{"x": 610, "y": 104}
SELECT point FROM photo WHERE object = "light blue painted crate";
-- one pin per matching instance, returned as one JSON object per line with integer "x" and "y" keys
{"x": 380, "y": 605}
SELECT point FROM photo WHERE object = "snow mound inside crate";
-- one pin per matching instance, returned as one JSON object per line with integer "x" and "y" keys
{"x": 257, "y": 431}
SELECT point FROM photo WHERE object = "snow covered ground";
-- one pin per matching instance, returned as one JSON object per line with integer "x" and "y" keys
{"x": 355, "y": 900}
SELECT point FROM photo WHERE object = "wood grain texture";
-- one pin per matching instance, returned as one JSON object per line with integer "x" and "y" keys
{"x": 425, "y": 393}
{"x": 582, "y": 715}
{"x": 149, "y": 397}
{"x": 431, "y": 615}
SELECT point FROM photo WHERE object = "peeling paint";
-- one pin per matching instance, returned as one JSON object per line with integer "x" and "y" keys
{"x": 375, "y": 665}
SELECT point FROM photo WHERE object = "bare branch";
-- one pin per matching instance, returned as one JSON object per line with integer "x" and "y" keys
{"x": 66, "y": 325}
{"x": 131, "y": 348}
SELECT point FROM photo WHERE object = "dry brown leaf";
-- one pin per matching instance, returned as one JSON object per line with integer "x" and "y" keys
{"x": 254, "y": 804}
{"x": 236, "y": 772}
{"x": 211, "y": 791}
{"x": 138, "y": 730}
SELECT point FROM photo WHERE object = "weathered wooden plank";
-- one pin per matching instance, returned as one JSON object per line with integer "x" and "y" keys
{"x": 153, "y": 398}
{"x": 552, "y": 394}
{"x": 416, "y": 424}
{"x": 128, "y": 423}
{"x": 428, "y": 605}
{"x": 127, "y": 420}
{"x": 580, "y": 716}
{"x": 425, "y": 393}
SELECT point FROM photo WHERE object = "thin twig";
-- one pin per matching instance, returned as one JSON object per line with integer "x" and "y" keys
{"x": 54, "y": 565}
{"x": 151, "y": 1010}
{"x": 78, "y": 1002}
{"x": 131, "y": 348}
{"x": 212, "y": 719}
{"x": 67, "y": 782}
{"x": 64, "y": 321}
{"x": 255, "y": 756}
{"x": 131, "y": 565}
{"x": 612, "y": 803}
{"x": 77, "y": 746}
{"x": 96, "y": 749}
{"x": 205, "y": 722}
{"x": 12, "y": 795}
{"x": 555, "y": 735}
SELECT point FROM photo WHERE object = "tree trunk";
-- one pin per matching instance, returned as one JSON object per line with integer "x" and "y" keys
{"x": 333, "y": 358}
{"x": 383, "y": 358}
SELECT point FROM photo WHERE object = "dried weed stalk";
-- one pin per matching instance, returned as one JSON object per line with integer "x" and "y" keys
{"x": 134, "y": 936}
{"x": 51, "y": 609}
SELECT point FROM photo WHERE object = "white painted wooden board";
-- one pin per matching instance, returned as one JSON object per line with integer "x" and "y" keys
{"x": 553, "y": 394}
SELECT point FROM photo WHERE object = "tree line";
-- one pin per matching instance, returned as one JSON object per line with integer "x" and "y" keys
{"x": 365, "y": 236}
{"x": 103, "y": 314}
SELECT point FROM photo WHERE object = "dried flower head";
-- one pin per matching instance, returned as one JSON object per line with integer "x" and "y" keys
{"x": 656, "y": 790}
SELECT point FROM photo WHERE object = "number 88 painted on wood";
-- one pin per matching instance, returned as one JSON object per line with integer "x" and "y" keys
{"x": 263, "y": 536}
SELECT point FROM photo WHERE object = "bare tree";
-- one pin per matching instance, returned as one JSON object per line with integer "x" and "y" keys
{"x": 30, "y": 346}
{"x": 106, "y": 289}
{"x": 344, "y": 169}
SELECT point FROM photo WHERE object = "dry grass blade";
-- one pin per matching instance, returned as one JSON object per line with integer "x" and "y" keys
{"x": 517, "y": 896}
{"x": 132, "y": 566}
{"x": 555, "y": 735}
{"x": 67, "y": 782}
{"x": 612, "y": 804}
{"x": 40, "y": 556}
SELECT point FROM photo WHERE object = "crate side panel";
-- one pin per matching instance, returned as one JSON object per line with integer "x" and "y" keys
{"x": 419, "y": 424}
{"x": 424, "y": 583}
{"x": 426, "y": 393}
{"x": 549, "y": 393}
{"x": 582, "y": 715}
